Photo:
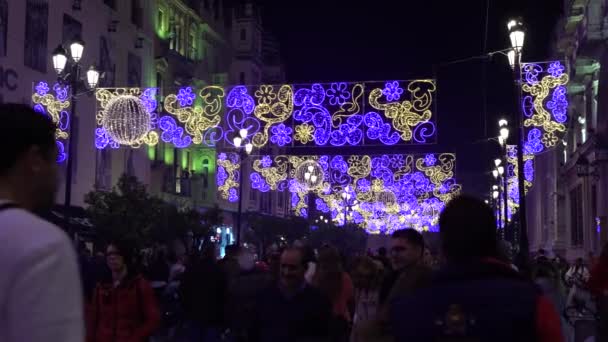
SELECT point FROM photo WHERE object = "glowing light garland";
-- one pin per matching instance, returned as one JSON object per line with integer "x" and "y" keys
{"x": 393, "y": 191}
{"x": 228, "y": 176}
{"x": 54, "y": 105}
{"x": 544, "y": 104}
{"x": 512, "y": 181}
{"x": 334, "y": 114}
{"x": 126, "y": 130}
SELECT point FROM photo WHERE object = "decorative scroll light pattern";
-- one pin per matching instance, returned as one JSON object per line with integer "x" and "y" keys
{"x": 228, "y": 176}
{"x": 512, "y": 174}
{"x": 54, "y": 104}
{"x": 392, "y": 191}
{"x": 106, "y": 97}
{"x": 334, "y": 114}
{"x": 544, "y": 104}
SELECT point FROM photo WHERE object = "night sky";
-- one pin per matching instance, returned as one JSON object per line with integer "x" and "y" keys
{"x": 341, "y": 40}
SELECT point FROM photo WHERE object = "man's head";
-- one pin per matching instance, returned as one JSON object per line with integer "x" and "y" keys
{"x": 293, "y": 267}
{"x": 468, "y": 230}
{"x": 406, "y": 248}
{"x": 28, "y": 167}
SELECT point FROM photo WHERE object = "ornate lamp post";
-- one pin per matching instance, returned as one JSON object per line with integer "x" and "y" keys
{"x": 244, "y": 152}
{"x": 349, "y": 203}
{"x": 517, "y": 37}
{"x": 69, "y": 69}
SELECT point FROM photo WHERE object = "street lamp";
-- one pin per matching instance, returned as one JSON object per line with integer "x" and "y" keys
{"x": 69, "y": 71}
{"x": 517, "y": 36}
{"x": 244, "y": 152}
{"x": 504, "y": 130}
{"x": 497, "y": 162}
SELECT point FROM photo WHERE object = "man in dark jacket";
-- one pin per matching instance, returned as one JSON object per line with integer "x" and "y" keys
{"x": 293, "y": 310}
{"x": 475, "y": 296}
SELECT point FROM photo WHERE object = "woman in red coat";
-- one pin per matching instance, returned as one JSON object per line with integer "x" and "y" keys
{"x": 124, "y": 308}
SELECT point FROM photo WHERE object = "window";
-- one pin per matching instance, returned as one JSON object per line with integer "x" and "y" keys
{"x": 243, "y": 34}
{"x": 159, "y": 83}
{"x": 136, "y": 13}
{"x": 3, "y": 26}
{"x": 193, "y": 43}
{"x": 133, "y": 70}
{"x": 160, "y": 19}
{"x": 111, "y": 3}
{"x": 280, "y": 199}
{"x": 205, "y": 173}
{"x": 576, "y": 216}
{"x": 241, "y": 78}
{"x": 36, "y": 34}
{"x": 216, "y": 9}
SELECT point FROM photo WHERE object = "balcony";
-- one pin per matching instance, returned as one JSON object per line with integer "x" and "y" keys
{"x": 187, "y": 192}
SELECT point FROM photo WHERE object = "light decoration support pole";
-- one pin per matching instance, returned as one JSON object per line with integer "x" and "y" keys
{"x": 75, "y": 76}
{"x": 516, "y": 35}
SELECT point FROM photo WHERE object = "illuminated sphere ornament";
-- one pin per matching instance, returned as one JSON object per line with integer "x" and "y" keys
{"x": 126, "y": 119}
{"x": 310, "y": 175}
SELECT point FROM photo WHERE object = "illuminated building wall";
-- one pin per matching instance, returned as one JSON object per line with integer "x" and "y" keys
{"x": 565, "y": 206}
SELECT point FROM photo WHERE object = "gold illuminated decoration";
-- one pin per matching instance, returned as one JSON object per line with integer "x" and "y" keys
{"x": 271, "y": 112}
{"x": 231, "y": 182}
{"x": 417, "y": 187}
{"x": 106, "y": 97}
{"x": 409, "y": 113}
{"x": 54, "y": 105}
{"x": 197, "y": 119}
{"x": 304, "y": 133}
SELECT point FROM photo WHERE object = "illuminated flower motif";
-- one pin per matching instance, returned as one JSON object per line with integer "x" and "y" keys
{"x": 266, "y": 161}
{"x": 559, "y": 104}
{"x": 392, "y": 91}
{"x": 221, "y": 156}
{"x": 304, "y": 133}
{"x": 430, "y": 160}
{"x": 185, "y": 96}
{"x": 281, "y": 135}
{"x": 549, "y": 139}
{"x": 338, "y": 93}
{"x": 556, "y": 69}
{"x": 62, "y": 92}
{"x": 42, "y": 88}
{"x": 397, "y": 161}
{"x": 265, "y": 94}
{"x": 232, "y": 195}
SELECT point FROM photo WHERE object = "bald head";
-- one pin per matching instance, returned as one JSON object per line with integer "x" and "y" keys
{"x": 293, "y": 268}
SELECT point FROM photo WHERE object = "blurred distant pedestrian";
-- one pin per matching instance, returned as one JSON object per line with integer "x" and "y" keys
{"x": 124, "y": 307}
{"x": 474, "y": 294}
{"x": 40, "y": 293}
{"x": 337, "y": 285}
{"x": 367, "y": 276}
{"x": 291, "y": 310}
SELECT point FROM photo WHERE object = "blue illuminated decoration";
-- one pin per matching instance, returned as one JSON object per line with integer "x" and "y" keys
{"x": 172, "y": 133}
{"x": 54, "y": 105}
{"x": 512, "y": 177}
{"x": 392, "y": 191}
{"x": 102, "y": 139}
{"x": 544, "y": 104}
{"x": 392, "y": 91}
{"x": 281, "y": 135}
{"x": 185, "y": 96}
{"x": 331, "y": 114}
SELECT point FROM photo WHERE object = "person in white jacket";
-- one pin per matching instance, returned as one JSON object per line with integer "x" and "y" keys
{"x": 40, "y": 292}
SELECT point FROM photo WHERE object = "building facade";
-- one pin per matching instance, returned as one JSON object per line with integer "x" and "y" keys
{"x": 139, "y": 43}
{"x": 568, "y": 204}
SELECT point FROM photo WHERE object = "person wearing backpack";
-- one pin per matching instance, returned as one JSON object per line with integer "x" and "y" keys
{"x": 474, "y": 296}
{"x": 124, "y": 307}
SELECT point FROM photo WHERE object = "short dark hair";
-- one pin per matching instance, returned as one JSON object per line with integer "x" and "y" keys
{"x": 467, "y": 228}
{"x": 411, "y": 235}
{"x": 24, "y": 128}
{"x": 303, "y": 260}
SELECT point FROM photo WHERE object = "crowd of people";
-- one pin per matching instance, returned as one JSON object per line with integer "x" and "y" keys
{"x": 473, "y": 292}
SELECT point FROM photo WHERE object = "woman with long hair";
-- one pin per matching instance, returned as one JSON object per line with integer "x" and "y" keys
{"x": 337, "y": 285}
{"x": 124, "y": 308}
{"x": 367, "y": 278}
